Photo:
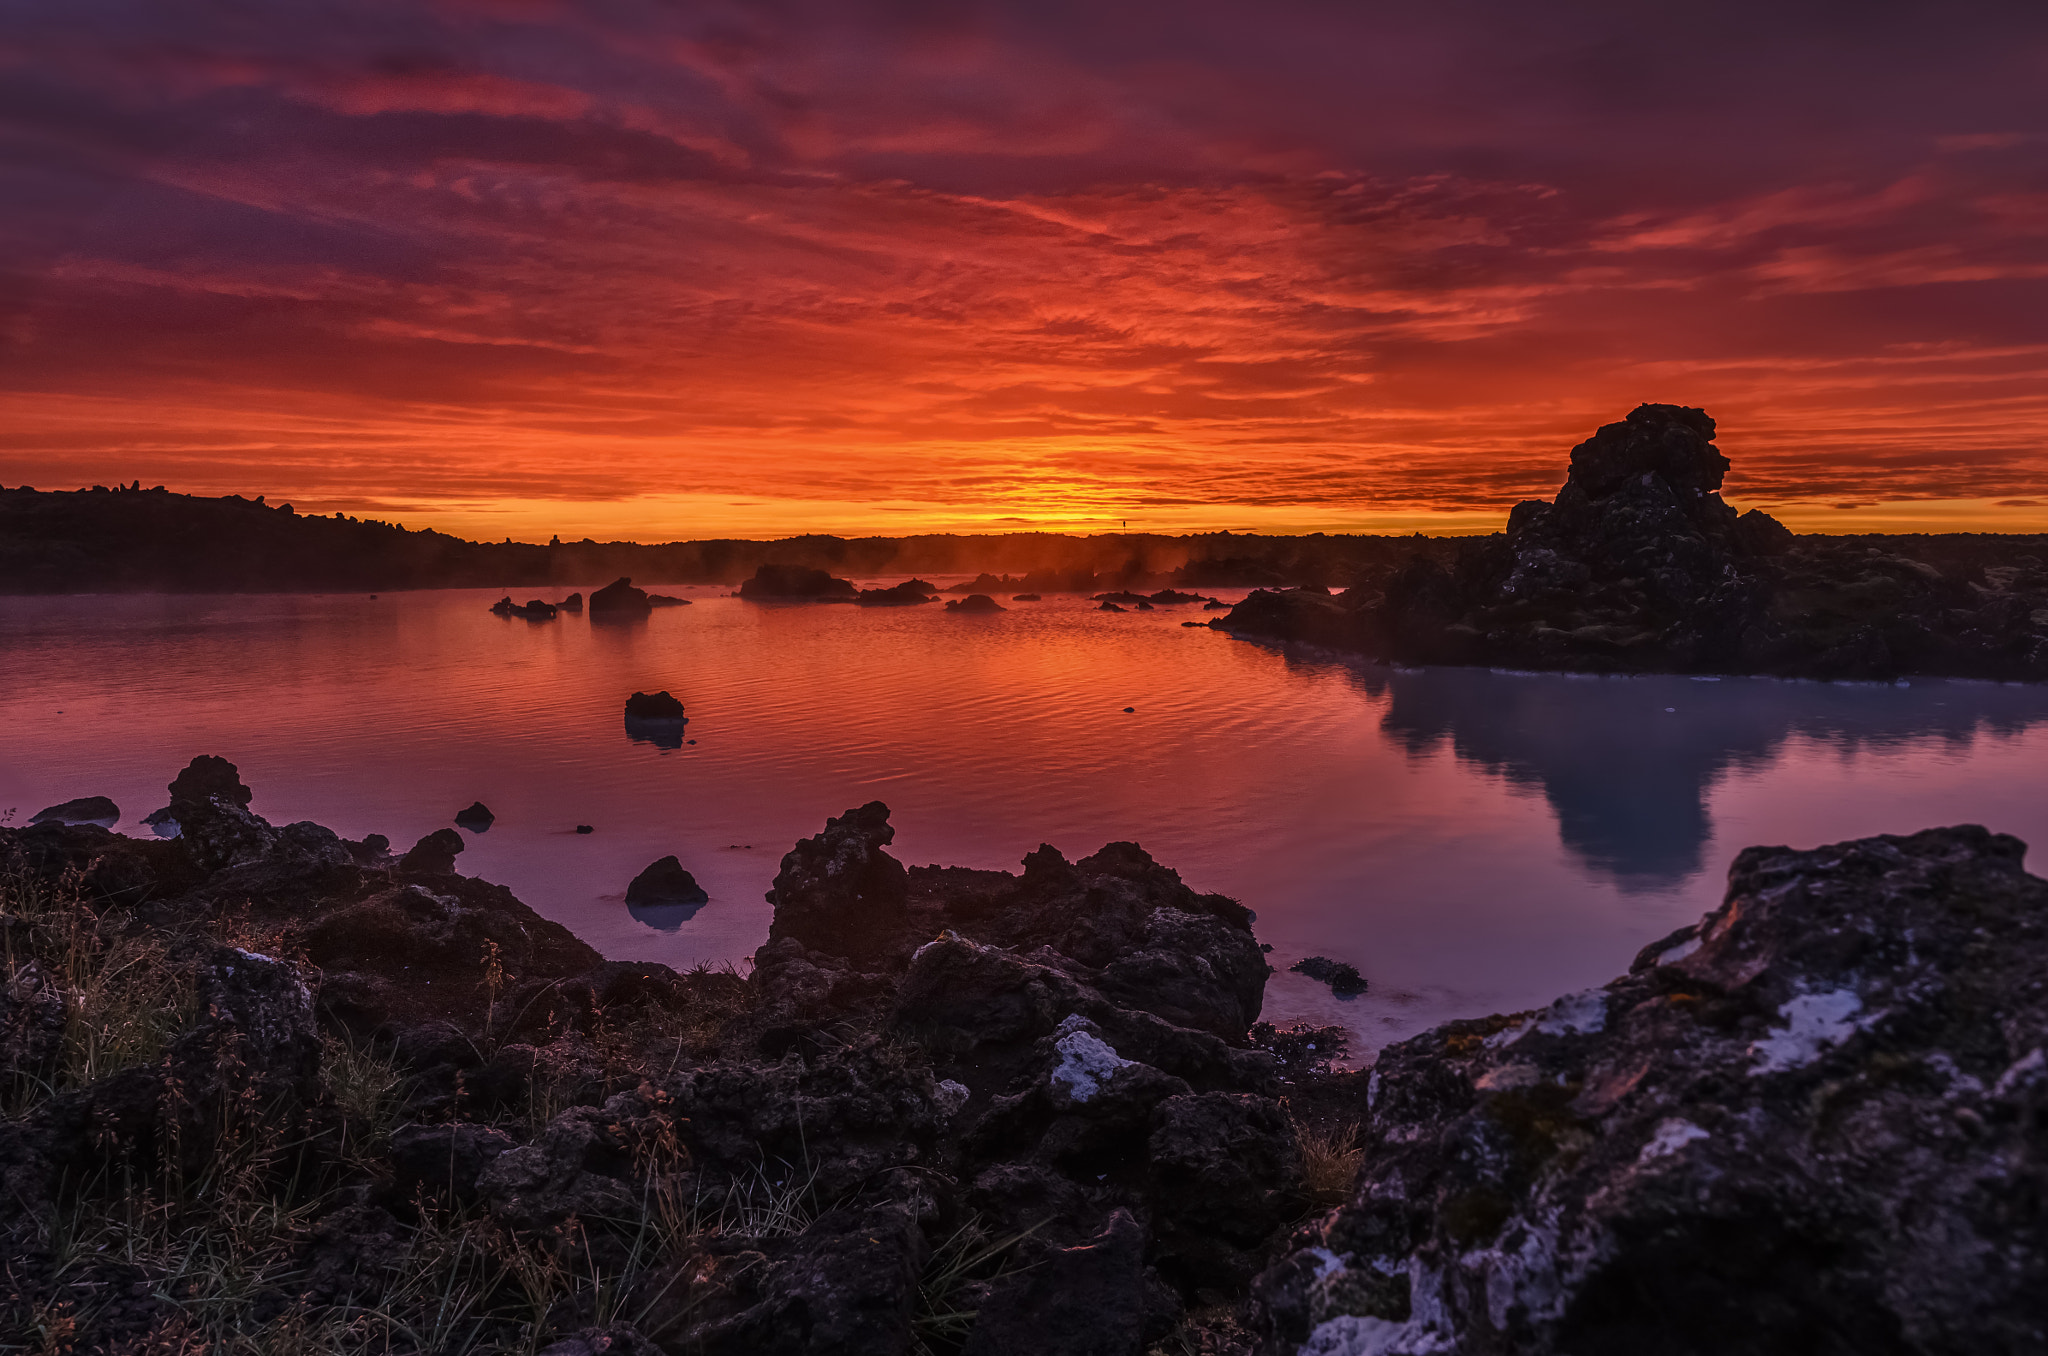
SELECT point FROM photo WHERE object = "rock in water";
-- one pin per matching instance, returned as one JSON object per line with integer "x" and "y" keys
{"x": 619, "y": 599}
{"x": 1344, "y": 980}
{"x": 572, "y": 603}
{"x": 975, "y": 602}
{"x": 477, "y": 818}
{"x": 434, "y": 854}
{"x": 84, "y": 810}
{"x": 1813, "y": 1121}
{"x": 665, "y": 882}
{"x": 653, "y": 706}
{"x": 657, "y": 718}
{"x": 794, "y": 583}
{"x": 909, "y": 592}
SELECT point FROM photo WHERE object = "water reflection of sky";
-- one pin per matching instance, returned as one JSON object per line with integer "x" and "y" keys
{"x": 1473, "y": 841}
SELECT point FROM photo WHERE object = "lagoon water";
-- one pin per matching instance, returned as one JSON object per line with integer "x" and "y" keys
{"x": 1473, "y": 841}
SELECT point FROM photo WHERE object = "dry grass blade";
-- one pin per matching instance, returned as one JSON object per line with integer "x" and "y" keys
{"x": 1330, "y": 1158}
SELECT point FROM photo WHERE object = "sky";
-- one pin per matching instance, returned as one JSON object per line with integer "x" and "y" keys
{"x": 658, "y": 270}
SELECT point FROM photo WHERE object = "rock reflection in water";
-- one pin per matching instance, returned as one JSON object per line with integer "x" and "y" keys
{"x": 1627, "y": 764}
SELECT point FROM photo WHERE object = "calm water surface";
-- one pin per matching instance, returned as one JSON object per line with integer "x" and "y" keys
{"x": 1473, "y": 841}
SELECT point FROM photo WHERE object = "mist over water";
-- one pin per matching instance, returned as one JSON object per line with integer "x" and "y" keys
{"x": 1473, "y": 841}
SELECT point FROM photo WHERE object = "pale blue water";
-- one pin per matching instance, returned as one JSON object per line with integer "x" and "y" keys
{"x": 1473, "y": 841}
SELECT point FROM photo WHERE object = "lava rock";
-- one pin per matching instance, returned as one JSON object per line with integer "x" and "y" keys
{"x": 839, "y": 892}
{"x": 434, "y": 854}
{"x": 444, "y": 1158}
{"x": 84, "y": 810}
{"x": 665, "y": 882}
{"x": 1086, "y": 1300}
{"x": 1343, "y": 979}
{"x": 1811, "y": 1120}
{"x": 207, "y": 778}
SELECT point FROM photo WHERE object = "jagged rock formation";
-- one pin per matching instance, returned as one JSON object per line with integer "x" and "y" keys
{"x": 1815, "y": 1121}
{"x": 926, "y": 1066}
{"x": 1638, "y": 565}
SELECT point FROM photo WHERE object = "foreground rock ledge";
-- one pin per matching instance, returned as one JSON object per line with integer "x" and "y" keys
{"x": 1817, "y": 1121}
{"x": 975, "y": 1112}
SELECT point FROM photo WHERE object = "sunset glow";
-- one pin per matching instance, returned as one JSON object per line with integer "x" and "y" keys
{"x": 512, "y": 267}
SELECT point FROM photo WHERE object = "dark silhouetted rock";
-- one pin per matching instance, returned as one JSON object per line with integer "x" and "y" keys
{"x": 207, "y": 778}
{"x": 666, "y": 600}
{"x": 909, "y": 593}
{"x": 839, "y": 891}
{"x": 619, "y": 599}
{"x": 533, "y": 609}
{"x": 434, "y": 854}
{"x": 796, "y": 582}
{"x": 1109, "y": 607}
{"x": 586, "y": 828}
{"x": 665, "y": 882}
{"x": 1812, "y": 1121}
{"x": 477, "y": 818}
{"x": 84, "y": 810}
{"x": 572, "y": 603}
{"x": 444, "y": 1158}
{"x": 1344, "y": 980}
{"x": 1024, "y": 598}
{"x": 974, "y": 602}
{"x": 1086, "y": 1300}
{"x": 651, "y": 706}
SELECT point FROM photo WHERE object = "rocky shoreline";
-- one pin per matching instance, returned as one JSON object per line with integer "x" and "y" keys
{"x": 267, "y": 1085}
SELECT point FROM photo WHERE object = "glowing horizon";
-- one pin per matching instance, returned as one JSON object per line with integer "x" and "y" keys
{"x": 509, "y": 267}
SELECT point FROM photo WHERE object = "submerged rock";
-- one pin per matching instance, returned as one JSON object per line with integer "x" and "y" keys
{"x": 1812, "y": 1120}
{"x": 84, "y": 810}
